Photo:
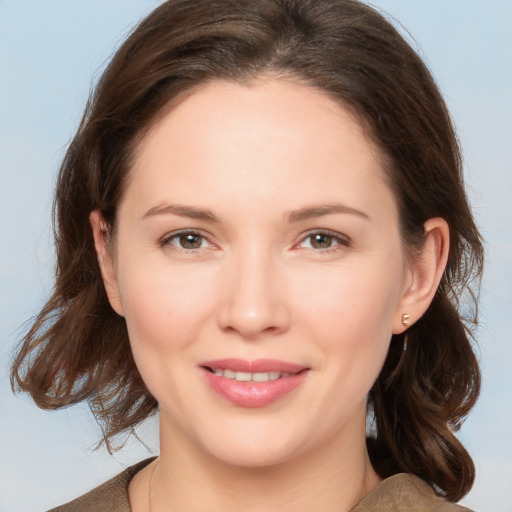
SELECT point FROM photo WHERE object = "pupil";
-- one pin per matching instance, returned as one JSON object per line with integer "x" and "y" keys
{"x": 321, "y": 241}
{"x": 190, "y": 241}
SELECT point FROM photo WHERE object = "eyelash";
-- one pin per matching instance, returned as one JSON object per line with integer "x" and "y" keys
{"x": 338, "y": 239}
{"x": 167, "y": 240}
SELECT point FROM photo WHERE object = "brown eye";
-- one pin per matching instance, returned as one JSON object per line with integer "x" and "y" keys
{"x": 186, "y": 240}
{"x": 190, "y": 241}
{"x": 321, "y": 241}
{"x": 324, "y": 241}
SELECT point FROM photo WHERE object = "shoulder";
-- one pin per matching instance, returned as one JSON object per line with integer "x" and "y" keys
{"x": 112, "y": 496}
{"x": 405, "y": 493}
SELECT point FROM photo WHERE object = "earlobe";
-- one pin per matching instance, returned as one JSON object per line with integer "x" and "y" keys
{"x": 427, "y": 268}
{"x": 108, "y": 273}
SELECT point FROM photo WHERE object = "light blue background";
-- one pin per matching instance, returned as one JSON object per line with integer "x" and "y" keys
{"x": 50, "y": 49}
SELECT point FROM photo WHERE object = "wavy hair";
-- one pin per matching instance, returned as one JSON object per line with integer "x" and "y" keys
{"x": 78, "y": 348}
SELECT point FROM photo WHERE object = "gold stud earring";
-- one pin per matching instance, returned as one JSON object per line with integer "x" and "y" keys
{"x": 406, "y": 319}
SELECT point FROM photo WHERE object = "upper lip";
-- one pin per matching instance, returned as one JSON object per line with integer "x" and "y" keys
{"x": 254, "y": 366}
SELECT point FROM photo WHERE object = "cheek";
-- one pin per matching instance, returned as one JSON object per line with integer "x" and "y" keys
{"x": 356, "y": 298}
{"x": 163, "y": 317}
{"x": 350, "y": 315}
{"x": 161, "y": 309}
{"x": 168, "y": 309}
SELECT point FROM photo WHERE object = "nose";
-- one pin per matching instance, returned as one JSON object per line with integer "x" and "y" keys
{"x": 254, "y": 298}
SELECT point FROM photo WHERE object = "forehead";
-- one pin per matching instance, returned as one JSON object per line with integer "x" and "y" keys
{"x": 249, "y": 104}
{"x": 225, "y": 140}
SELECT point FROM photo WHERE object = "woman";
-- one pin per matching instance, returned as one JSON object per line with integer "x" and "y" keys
{"x": 262, "y": 231}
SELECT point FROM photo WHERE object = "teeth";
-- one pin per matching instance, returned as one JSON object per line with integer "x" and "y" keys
{"x": 243, "y": 376}
{"x": 247, "y": 377}
{"x": 263, "y": 377}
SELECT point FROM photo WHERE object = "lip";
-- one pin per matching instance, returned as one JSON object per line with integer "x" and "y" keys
{"x": 257, "y": 365}
{"x": 253, "y": 394}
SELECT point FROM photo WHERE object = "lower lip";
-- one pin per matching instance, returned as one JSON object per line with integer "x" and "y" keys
{"x": 253, "y": 394}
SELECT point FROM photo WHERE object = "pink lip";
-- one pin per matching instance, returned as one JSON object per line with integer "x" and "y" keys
{"x": 258, "y": 365}
{"x": 253, "y": 394}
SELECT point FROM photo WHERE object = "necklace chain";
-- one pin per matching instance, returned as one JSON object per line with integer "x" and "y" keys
{"x": 149, "y": 486}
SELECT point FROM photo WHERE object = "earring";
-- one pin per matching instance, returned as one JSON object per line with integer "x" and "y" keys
{"x": 406, "y": 319}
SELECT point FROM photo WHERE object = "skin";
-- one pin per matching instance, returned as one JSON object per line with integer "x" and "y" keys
{"x": 258, "y": 285}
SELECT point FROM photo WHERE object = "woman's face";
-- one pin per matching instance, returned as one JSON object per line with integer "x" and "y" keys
{"x": 259, "y": 266}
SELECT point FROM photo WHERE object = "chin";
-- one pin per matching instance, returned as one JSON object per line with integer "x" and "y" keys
{"x": 257, "y": 457}
{"x": 253, "y": 449}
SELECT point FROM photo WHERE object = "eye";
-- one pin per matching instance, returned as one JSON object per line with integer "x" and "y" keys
{"x": 323, "y": 241}
{"x": 320, "y": 241}
{"x": 186, "y": 240}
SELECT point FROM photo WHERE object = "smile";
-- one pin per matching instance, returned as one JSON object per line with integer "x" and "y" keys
{"x": 250, "y": 377}
{"x": 253, "y": 383}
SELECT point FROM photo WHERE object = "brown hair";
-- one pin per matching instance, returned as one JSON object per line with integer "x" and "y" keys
{"x": 78, "y": 348}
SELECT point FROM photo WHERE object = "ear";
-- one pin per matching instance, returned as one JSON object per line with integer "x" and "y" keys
{"x": 426, "y": 270}
{"x": 105, "y": 260}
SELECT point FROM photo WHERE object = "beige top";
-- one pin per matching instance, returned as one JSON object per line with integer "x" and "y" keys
{"x": 399, "y": 493}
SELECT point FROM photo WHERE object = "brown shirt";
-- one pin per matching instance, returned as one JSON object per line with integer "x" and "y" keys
{"x": 399, "y": 493}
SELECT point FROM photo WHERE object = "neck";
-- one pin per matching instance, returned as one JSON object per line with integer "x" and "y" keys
{"x": 332, "y": 478}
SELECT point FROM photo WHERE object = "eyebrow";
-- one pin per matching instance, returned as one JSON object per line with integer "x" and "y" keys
{"x": 321, "y": 210}
{"x": 299, "y": 215}
{"x": 182, "y": 211}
